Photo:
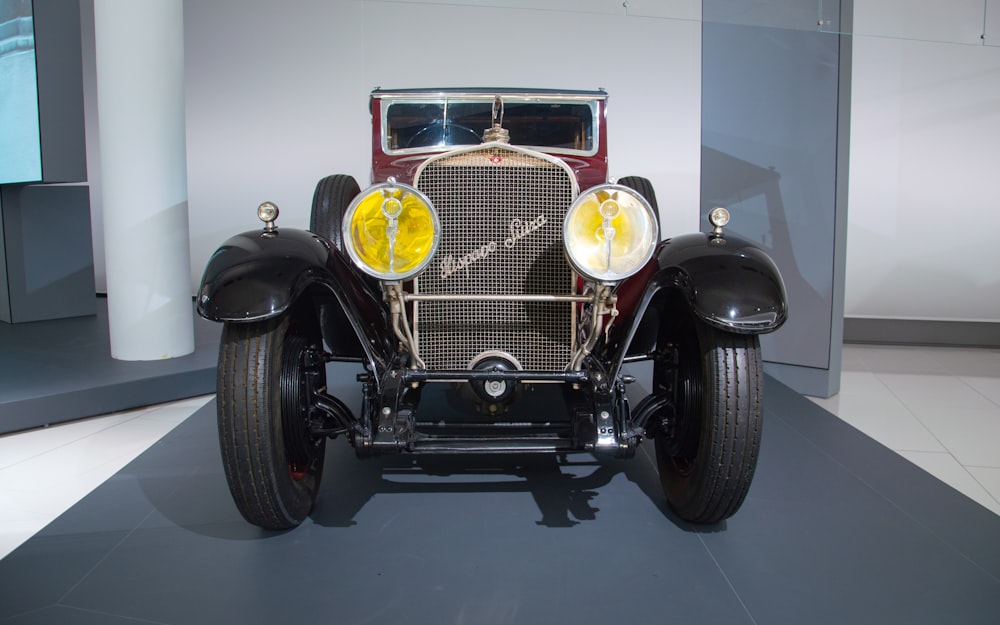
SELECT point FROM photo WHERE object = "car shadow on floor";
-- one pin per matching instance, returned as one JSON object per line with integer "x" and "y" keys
{"x": 562, "y": 486}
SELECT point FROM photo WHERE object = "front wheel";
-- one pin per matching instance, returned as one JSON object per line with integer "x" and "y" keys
{"x": 332, "y": 196}
{"x": 644, "y": 188}
{"x": 707, "y": 454}
{"x": 273, "y": 463}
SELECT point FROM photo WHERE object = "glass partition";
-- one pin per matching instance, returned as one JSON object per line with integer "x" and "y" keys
{"x": 966, "y": 22}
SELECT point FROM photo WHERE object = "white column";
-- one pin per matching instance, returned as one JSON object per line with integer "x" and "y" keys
{"x": 140, "y": 98}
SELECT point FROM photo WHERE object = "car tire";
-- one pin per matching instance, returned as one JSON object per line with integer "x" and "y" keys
{"x": 331, "y": 198}
{"x": 644, "y": 188}
{"x": 707, "y": 460}
{"x": 272, "y": 462}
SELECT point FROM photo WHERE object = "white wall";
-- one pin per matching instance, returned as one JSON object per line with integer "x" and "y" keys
{"x": 277, "y": 93}
{"x": 924, "y": 207}
{"x": 277, "y": 98}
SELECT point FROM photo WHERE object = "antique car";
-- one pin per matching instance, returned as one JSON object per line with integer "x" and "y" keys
{"x": 490, "y": 257}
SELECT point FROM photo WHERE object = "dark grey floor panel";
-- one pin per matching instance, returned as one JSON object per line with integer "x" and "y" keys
{"x": 60, "y": 370}
{"x": 836, "y": 529}
{"x": 928, "y": 502}
{"x": 40, "y": 573}
{"x": 60, "y": 614}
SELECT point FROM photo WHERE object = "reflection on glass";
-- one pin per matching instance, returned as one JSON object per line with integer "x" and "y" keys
{"x": 560, "y": 125}
{"x": 20, "y": 151}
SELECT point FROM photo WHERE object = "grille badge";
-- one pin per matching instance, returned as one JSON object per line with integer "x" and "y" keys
{"x": 518, "y": 230}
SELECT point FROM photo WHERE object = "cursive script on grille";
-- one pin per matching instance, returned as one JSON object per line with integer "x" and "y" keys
{"x": 518, "y": 229}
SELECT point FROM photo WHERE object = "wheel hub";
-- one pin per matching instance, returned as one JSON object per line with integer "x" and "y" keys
{"x": 298, "y": 375}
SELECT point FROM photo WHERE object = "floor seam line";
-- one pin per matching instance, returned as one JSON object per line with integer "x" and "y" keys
{"x": 728, "y": 581}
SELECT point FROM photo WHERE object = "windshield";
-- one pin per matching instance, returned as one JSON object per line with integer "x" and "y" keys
{"x": 554, "y": 125}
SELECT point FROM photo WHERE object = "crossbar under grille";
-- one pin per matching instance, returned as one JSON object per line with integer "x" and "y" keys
{"x": 501, "y": 213}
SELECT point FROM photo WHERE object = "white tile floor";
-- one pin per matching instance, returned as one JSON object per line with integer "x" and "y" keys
{"x": 44, "y": 472}
{"x": 938, "y": 407}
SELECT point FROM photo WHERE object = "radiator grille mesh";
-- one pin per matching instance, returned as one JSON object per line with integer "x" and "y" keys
{"x": 501, "y": 217}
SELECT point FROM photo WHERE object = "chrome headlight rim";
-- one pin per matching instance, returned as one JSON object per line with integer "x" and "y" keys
{"x": 639, "y": 261}
{"x": 356, "y": 257}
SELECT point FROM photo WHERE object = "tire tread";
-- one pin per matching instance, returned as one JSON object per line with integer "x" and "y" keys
{"x": 332, "y": 196}
{"x": 248, "y": 355}
{"x": 731, "y": 429}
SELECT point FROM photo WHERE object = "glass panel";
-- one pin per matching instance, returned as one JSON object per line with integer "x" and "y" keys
{"x": 957, "y": 21}
{"x": 556, "y": 125}
{"x": 772, "y": 163}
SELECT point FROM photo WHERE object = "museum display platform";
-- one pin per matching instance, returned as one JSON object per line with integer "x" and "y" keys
{"x": 836, "y": 529}
{"x": 61, "y": 369}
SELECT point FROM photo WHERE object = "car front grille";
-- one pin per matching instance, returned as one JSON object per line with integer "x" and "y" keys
{"x": 501, "y": 213}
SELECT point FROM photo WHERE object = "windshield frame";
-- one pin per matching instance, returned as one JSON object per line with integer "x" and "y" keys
{"x": 447, "y": 99}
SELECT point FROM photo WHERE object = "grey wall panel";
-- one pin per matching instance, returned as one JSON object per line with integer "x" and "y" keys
{"x": 769, "y": 133}
{"x": 60, "y": 91}
{"x": 4, "y": 285}
{"x": 922, "y": 332}
{"x": 784, "y": 14}
{"x": 47, "y": 252}
{"x": 771, "y": 115}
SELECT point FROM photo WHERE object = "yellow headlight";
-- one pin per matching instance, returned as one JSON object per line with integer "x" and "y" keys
{"x": 391, "y": 231}
{"x": 610, "y": 233}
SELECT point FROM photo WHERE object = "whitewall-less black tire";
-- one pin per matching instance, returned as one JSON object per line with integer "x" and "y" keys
{"x": 332, "y": 196}
{"x": 272, "y": 463}
{"x": 707, "y": 462}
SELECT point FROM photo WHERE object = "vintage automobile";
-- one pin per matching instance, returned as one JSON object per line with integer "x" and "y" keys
{"x": 491, "y": 256}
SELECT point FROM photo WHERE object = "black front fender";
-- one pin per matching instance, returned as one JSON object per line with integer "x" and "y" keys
{"x": 258, "y": 275}
{"x": 729, "y": 282}
{"x": 725, "y": 281}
